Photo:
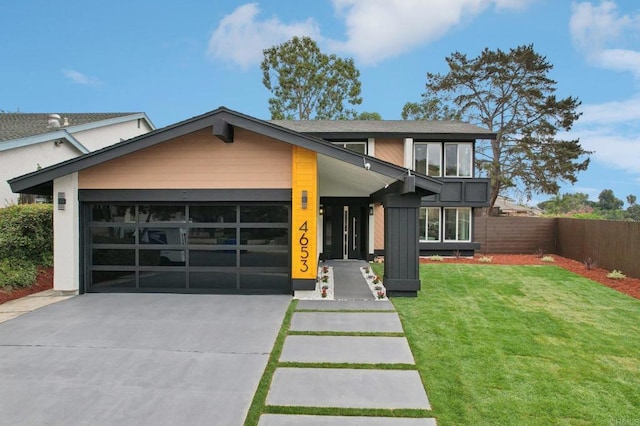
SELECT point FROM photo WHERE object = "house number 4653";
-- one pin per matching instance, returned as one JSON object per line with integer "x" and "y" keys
{"x": 304, "y": 247}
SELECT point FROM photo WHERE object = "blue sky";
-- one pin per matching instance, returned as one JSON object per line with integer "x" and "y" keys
{"x": 174, "y": 60}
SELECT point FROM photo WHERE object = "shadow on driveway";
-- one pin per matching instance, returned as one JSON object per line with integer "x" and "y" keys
{"x": 137, "y": 359}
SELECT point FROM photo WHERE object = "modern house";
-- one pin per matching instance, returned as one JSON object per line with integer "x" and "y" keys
{"x": 224, "y": 202}
{"x": 32, "y": 141}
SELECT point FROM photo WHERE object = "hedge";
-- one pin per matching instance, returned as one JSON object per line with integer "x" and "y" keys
{"x": 26, "y": 234}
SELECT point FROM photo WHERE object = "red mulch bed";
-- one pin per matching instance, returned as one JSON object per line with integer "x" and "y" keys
{"x": 44, "y": 281}
{"x": 630, "y": 286}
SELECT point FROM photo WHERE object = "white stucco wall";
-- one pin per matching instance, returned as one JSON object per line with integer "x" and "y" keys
{"x": 100, "y": 137}
{"x": 20, "y": 161}
{"x": 66, "y": 235}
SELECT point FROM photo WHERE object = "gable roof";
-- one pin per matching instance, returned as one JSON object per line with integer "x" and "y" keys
{"x": 333, "y": 129}
{"x": 222, "y": 121}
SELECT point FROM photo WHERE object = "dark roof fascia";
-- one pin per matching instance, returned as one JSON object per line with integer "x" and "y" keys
{"x": 415, "y": 136}
{"x": 40, "y": 177}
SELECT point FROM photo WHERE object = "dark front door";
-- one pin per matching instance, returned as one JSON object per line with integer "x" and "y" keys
{"x": 345, "y": 228}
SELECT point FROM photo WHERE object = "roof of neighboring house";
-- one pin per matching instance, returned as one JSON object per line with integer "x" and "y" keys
{"x": 508, "y": 205}
{"x": 15, "y": 125}
{"x": 222, "y": 121}
{"x": 370, "y": 128}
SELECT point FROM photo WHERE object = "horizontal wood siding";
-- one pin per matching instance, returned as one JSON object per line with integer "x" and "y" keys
{"x": 391, "y": 150}
{"x": 378, "y": 240}
{"x": 612, "y": 244}
{"x": 514, "y": 235}
{"x": 198, "y": 160}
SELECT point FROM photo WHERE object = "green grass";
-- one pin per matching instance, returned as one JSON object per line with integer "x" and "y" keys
{"x": 523, "y": 345}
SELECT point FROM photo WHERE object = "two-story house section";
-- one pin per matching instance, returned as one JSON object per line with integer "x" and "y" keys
{"x": 445, "y": 150}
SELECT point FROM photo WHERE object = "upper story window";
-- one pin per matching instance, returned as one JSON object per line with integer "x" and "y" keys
{"x": 427, "y": 158}
{"x": 355, "y": 146}
{"x": 458, "y": 159}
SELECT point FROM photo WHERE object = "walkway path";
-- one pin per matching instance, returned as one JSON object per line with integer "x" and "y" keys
{"x": 349, "y": 284}
{"x": 331, "y": 359}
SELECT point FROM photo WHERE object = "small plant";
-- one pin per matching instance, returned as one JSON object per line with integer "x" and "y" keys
{"x": 378, "y": 259}
{"x": 457, "y": 254}
{"x": 436, "y": 258}
{"x": 616, "y": 275}
{"x": 366, "y": 269}
{"x": 323, "y": 293}
{"x": 325, "y": 269}
{"x": 539, "y": 252}
{"x": 590, "y": 263}
{"x": 485, "y": 259}
{"x": 325, "y": 287}
{"x": 376, "y": 279}
{"x": 325, "y": 278}
{"x": 377, "y": 287}
{"x": 380, "y": 294}
{"x": 549, "y": 259}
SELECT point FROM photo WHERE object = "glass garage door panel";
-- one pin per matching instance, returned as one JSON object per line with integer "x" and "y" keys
{"x": 188, "y": 248}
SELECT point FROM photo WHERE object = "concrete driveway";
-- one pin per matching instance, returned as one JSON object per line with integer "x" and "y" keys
{"x": 137, "y": 359}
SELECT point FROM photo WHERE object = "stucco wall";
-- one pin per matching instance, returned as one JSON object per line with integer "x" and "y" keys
{"x": 20, "y": 161}
{"x": 197, "y": 161}
{"x": 94, "y": 139}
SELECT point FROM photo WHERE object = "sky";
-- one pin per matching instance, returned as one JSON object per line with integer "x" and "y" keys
{"x": 175, "y": 60}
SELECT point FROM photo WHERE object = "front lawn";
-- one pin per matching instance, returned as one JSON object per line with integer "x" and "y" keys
{"x": 502, "y": 345}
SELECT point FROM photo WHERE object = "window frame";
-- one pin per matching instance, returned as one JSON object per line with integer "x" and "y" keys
{"x": 471, "y": 159}
{"x": 440, "y": 157}
{"x": 425, "y": 237}
{"x": 343, "y": 144}
{"x": 457, "y": 222}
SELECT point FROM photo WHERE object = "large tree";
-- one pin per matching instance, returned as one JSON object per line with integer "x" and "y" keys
{"x": 511, "y": 94}
{"x": 308, "y": 84}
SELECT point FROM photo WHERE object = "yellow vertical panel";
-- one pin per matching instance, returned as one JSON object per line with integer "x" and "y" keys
{"x": 304, "y": 218}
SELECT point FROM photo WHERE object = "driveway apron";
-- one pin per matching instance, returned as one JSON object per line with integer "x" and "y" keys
{"x": 137, "y": 359}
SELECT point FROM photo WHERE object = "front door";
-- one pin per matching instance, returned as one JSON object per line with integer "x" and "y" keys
{"x": 345, "y": 229}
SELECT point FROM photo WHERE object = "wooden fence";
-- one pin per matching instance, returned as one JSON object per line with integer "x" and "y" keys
{"x": 515, "y": 235}
{"x": 612, "y": 244}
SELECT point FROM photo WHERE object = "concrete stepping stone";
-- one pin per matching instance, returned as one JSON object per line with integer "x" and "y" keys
{"x": 347, "y": 349}
{"x": 345, "y": 305}
{"x": 306, "y": 420}
{"x": 346, "y": 321}
{"x": 347, "y": 388}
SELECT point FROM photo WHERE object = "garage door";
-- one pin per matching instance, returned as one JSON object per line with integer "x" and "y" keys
{"x": 208, "y": 248}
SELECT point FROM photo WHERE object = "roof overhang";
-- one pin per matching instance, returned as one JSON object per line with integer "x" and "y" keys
{"x": 222, "y": 121}
{"x": 59, "y": 135}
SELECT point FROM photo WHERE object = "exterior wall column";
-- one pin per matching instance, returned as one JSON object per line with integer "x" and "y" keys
{"x": 66, "y": 234}
{"x": 304, "y": 219}
{"x": 401, "y": 250}
{"x": 408, "y": 153}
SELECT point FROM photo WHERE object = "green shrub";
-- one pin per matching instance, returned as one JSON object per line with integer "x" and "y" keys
{"x": 14, "y": 273}
{"x": 26, "y": 233}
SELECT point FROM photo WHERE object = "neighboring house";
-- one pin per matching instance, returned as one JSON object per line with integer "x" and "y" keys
{"x": 224, "y": 202}
{"x": 508, "y": 207}
{"x": 29, "y": 141}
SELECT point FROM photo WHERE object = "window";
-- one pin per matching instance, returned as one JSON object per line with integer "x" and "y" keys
{"x": 457, "y": 224}
{"x": 427, "y": 158}
{"x": 458, "y": 159}
{"x": 430, "y": 224}
{"x": 359, "y": 147}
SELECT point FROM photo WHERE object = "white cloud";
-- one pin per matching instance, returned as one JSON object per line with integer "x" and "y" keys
{"x": 617, "y": 150}
{"x": 241, "y": 36}
{"x": 380, "y": 29}
{"x": 612, "y": 112}
{"x": 80, "y": 78}
{"x": 601, "y": 33}
{"x": 375, "y": 29}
